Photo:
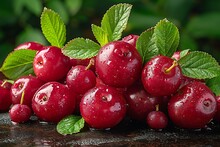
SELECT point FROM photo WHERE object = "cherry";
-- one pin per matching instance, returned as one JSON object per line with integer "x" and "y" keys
{"x": 140, "y": 103}
{"x": 5, "y": 100}
{"x": 28, "y": 84}
{"x": 80, "y": 78}
{"x": 161, "y": 76}
{"x": 131, "y": 39}
{"x": 157, "y": 119}
{"x": 53, "y": 101}
{"x": 103, "y": 107}
{"x": 193, "y": 106}
{"x": 118, "y": 64}
{"x": 50, "y": 64}
{"x": 30, "y": 45}
{"x": 20, "y": 113}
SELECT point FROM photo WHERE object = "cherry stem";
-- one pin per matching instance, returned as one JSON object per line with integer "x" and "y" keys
{"x": 175, "y": 63}
{"x": 91, "y": 62}
{"x": 157, "y": 107}
{"x": 22, "y": 98}
{"x": 3, "y": 83}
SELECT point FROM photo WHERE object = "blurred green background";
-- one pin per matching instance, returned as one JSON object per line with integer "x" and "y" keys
{"x": 198, "y": 20}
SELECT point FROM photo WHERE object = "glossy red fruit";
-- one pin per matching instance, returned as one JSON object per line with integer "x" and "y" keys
{"x": 193, "y": 106}
{"x": 84, "y": 62}
{"x": 157, "y": 120}
{"x": 80, "y": 79}
{"x": 118, "y": 64}
{"x": 140, "y": 103}
{"x": 131, "y": 39}
{"x": 27, "y": 84}
{"x": 5, "y": 100}
{"x": 51, "y": 64}
{"x": 30, "y": 45}
{"x": 20, "y": 113}
{"x": 53, "y": 101}
{"x": 161, "y": 76}
{"x": 103, "y": 107}
{"x": 5, "y": 84}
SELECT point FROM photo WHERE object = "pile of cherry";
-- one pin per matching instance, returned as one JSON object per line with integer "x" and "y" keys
{"x": 109, "y": 87}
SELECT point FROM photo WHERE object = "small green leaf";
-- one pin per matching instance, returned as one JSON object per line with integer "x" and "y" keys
{"x": 214, "y": 85}
{"x": 184, "y": 53}
{"x": 18, "y": 63}
{"x": 53, "y": 28}
{"x": 146, "y": 45}
{"x": 80, "y": 48}
{"x": 115, "y": 20}
{"x": 166, "y": 37}
{"x": 199, "y": 65}
{"x": 70, "y": 125}
{"x": 100, "y": 35}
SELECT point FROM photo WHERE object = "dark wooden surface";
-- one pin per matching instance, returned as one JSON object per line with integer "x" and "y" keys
{"x": 35, "y": 133}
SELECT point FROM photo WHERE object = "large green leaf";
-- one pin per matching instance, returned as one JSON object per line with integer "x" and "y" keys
{"x": 146, "y": 45}
{"x": 214, "y": 85}
{"x": 115, "y": 20}
{"x": 166, "y": 37}
{"x": 18, "y": 63}
{"x": 199, "y": 65}
{"x": 80, "y": 48}
{"x": 53, "y": 28}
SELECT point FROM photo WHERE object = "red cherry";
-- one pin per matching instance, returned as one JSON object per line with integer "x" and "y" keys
{"x": 20, "y": 113}
{"x": 161, "y": 76}
{"x": 193, "y": 106}
{"x": 118, "y": 64}
{"x": 157, "y": 120}
{"x": 217, "y": 115}
{"x": 53, "y": 101}
{"x": 140, "y": 103}
{"x": 103, "y": 107}
{"x": 30, "y": 45}
{"x": 27, "y": 84}
{"x": 5, "y": 100}
{"x": 50, "y": 64}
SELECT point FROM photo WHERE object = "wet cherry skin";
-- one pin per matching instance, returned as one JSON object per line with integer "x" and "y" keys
{"x": 20, "y": 113}
{"x": 118, "y": 64}
{"x": 50, "y": 64}
{"x": 217, "y": 115}
{"x": 193, "y": 106}
{"x": 5, "y": 100}
{"x": 30, "y": 45}
{"x": 103, "y": 107}
{"x": 53, "y": 101}
{"x": 157, "y": 120}
{"x": 27, "y": 84}
{"x": 131, "y": 39}
{"x": 157, "y": 81}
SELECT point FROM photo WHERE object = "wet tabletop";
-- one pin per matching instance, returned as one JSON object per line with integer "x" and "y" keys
{"x": 35, "y": 133}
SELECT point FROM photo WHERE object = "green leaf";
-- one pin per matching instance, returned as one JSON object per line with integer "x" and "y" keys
{"x": 53, "y": 28}
{"x": 184, "y": 53}
{"x": 18, "y": 63}
{"x": 100, "y": 35}
{"x": 199, "y": 65}
{"x": 166, "y": 37}
{"x": 70, "y": 125}
{"x": 146, "y": 45}
{"x": 115, "y": 20}
{"x": 214, "y": 85}
{"x": 80, "y": 48}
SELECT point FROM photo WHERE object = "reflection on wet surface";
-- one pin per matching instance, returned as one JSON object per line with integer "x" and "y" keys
{"x": 126, "y": 134}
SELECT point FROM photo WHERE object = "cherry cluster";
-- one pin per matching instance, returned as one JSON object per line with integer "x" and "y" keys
{"x": 109, "y": 87}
